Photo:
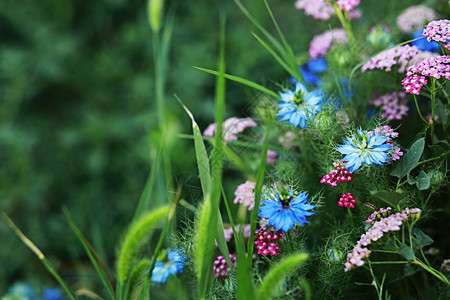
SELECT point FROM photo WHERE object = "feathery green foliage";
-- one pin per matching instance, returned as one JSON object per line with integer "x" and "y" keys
{"x": 278, "y": 273}
{"x": 137, "y": 274}
{"x": 137, "y": 235}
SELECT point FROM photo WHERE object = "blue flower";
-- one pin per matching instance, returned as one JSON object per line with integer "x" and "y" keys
{"x": 364, "y": 148}
{"x": 299, "y": 106}
{"x": 423, "y": 44}
{"x": 174, "y": 264}
{"x": 52, "y": 294}
{"x": 311, "y": 70}
{"x": 288, "y": 208}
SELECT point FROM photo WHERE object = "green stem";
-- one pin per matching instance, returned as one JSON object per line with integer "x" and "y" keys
{"x": 432, "y": 271}
{"x": 433, "y": 107}
{"x": 418, "y": 110}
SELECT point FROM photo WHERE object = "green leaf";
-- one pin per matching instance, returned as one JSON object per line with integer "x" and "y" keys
{"x": 440, "y": 112}
{"x": 390, "y": 245}
{"x": 406, "y": 252}
{"x": 410, "y": 179}
{"x": 410, "y": 160}
{"x": 420, "y": 239}
{"x": 275, "y": 276}
{"x": 423, "y": 181}
{"x": 243, "y": 81}
{"x": 391, "y": 198}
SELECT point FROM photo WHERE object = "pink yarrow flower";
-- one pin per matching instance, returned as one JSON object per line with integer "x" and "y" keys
{"x": 317, "y": 9}
{"x": 391, "y": 57}
{"x": 347, "y": 5}
{"x": 339, "y": 174}
{"x": 220, "y": 267}
{"x": 436, "y": 67}
{"x": 265, "y": 240}
{"x": 438, "y": 31}
{"x": 347, "y": 200}
{"x": 376, "y": 232}
{"x": 414, "y": 17}
{"x": 393, "y": 105}
{"x": 245, "y": 194}
{"x": 382, "y": 212}
{"x": 231, "y": 127}
{"x": 229, "y": 231}
{"x": 321, "y": 43}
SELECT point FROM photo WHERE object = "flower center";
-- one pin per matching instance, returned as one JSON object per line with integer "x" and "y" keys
{"x": 285, "y": 198}
{"x": 299, "y": 98}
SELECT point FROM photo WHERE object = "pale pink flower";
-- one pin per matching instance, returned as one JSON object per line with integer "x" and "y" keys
{"x": 318, "y": 9}
{"x": 391, "y": 57}
{"x": 245, "y": 194}
{"x": 231, "y": 127}
{"x": 414, "y": 18}
{"x": 347, "y": 5}
{"x": 393, "y": 105}
{"x": 321, "y": 43}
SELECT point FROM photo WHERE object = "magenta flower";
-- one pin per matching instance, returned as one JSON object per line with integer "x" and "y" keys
{"x": 347, "y": 200}
{"x": 436, "y": 67}
{"x": 265, "y": 240}
{"x": 339, "y": 174}
{"x": 221, "y": 269}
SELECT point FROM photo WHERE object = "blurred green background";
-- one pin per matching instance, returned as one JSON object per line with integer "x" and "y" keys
{"x": 78, "y": 118}
{"x": 77, "y": 115}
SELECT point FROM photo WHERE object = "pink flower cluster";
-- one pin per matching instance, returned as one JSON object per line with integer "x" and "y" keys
{"x": 229, "y": 231}
{"x": 321, "y": 43}
{"x": 393, "y": 105}
{"x": 382, "y": 212}
{"x": 339, "y": 174}
{"x": 414, "y": 17}
{"x": 438, "y": 31}
{"x": 318, "y": 9}
{"x": 231, "y": 127}
{"x": 347, "y": 5}
{"x": 347, "y": 200}
{"x": 391, "y": 57}
{"x": 245, "y": 194}
{"x": 379, "y": 228}
{"x": 436, "y": 67}
{"x": 265, "y": 239}
{"x": 220, "y": 266}
{"x": 386, "y": 130}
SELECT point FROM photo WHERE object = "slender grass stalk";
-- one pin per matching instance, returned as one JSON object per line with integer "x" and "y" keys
{"x": 70, "y": 293}
{"x": 92, "y": 254}
{"x": 433, "y": 108}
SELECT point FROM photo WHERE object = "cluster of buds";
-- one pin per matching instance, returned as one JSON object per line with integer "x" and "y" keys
{"x": 265, "y": 239}
{"x": 347, "y": 200}
{"x": 376, "y": 232}
{"x": 339, "y": 174}
{"x": 381, "y": 213}
{"x": 221, "y": 269}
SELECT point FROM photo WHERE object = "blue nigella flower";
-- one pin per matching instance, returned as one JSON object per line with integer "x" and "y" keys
{"x": 364, "y": 148}
{"x": 52, "y": 294}
{"x": 174, "y": 264}
{"x": 311, "y": 70}
{"x": 288, "y": 208}
{"x": 423, "y": 44}
{"x": 299, "y": 106}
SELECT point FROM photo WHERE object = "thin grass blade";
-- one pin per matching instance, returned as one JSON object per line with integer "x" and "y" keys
{"x": 243, "y": 81}
{"x": 70, "y": 293}
{"x": 92, "y": 254}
